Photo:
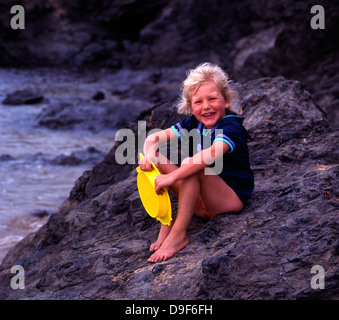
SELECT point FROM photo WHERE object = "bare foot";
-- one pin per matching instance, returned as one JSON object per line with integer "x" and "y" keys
{"x": 164, "y": 231}
{"x": 169, "y": 248}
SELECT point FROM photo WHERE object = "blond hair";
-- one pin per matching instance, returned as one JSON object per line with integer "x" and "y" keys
{"x": 204, "y": 73}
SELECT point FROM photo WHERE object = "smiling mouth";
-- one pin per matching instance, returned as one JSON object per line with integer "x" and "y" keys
{"x": 206, "y": 115}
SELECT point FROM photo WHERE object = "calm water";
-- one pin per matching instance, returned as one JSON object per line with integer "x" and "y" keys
{"x": 29, "y": 182}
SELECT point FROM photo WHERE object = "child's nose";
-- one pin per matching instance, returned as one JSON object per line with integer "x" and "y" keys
{"x": 206, "y": 105}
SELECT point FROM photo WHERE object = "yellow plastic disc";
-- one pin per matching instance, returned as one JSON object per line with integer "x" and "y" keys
{"x": 157, "y": 206}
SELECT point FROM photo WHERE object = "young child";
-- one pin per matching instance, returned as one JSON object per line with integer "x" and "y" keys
{"x": 200, "y": 189}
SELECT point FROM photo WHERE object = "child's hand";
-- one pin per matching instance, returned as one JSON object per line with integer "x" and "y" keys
{"x": 163, "y": 181}
{"x": 145, "y": 164}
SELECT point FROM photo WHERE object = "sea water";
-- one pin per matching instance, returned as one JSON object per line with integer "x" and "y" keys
{"x": 29, "y": 182}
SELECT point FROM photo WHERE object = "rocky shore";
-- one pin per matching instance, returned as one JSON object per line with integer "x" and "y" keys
{"x": 286, "y": 73}
{"x": 96, "y": 246}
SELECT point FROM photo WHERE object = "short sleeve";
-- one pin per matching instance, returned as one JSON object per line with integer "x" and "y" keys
{"x": 231, "y": 133}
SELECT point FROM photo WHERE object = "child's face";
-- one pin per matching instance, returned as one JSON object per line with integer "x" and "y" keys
{"x": 208, "y": 105}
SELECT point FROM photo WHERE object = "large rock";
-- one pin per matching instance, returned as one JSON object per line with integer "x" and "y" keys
{"x": 96, "y": 246}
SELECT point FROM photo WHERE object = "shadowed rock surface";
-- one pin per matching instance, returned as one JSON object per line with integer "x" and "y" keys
{"x": 250, "y": 39}
{"x": 23, "y": 97}
{"x": 96, "y": 246}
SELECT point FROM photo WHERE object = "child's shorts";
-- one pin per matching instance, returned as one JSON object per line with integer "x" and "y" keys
{"x": 205, "y": 209}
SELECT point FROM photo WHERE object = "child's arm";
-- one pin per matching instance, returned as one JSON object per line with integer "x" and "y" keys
{"x": 192, "y": 165}
{"x": 151, "y": 146}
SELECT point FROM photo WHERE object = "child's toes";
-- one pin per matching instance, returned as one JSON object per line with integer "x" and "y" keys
{"x": 152, "y": 258}
{"x": 153, "y": 247}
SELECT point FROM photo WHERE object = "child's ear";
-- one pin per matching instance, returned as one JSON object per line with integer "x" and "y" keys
{"x": 228, "y": 100}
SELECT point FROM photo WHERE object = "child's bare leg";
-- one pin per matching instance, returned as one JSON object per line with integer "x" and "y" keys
{"x": 224, "y": 200}
{"x": 177, "y": 238}
{"x": 163, "y": 233}
{"x": 165, "y": 166}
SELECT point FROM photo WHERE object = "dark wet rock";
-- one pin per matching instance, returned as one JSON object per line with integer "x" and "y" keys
{"x": 96, "y": 246}
{"x": 41, "y": 213}
{"x": 90, "y": 156}
{"x": 25, "y": 96}
{"x": 87, "y": 115}
{"x": 99, "y": 96}
{"x": 249, "y": 39}
{"x": 6, "y": 157}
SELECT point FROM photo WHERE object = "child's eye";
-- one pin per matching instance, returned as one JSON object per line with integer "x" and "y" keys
{"x": 211, "y": 99}
{"x": 197, "y": 102}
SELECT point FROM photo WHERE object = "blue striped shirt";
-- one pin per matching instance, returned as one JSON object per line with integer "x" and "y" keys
{"x": 236, "y": 171}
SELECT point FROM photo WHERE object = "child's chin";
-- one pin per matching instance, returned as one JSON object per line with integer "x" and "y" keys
{"x": 209, "y": 124}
